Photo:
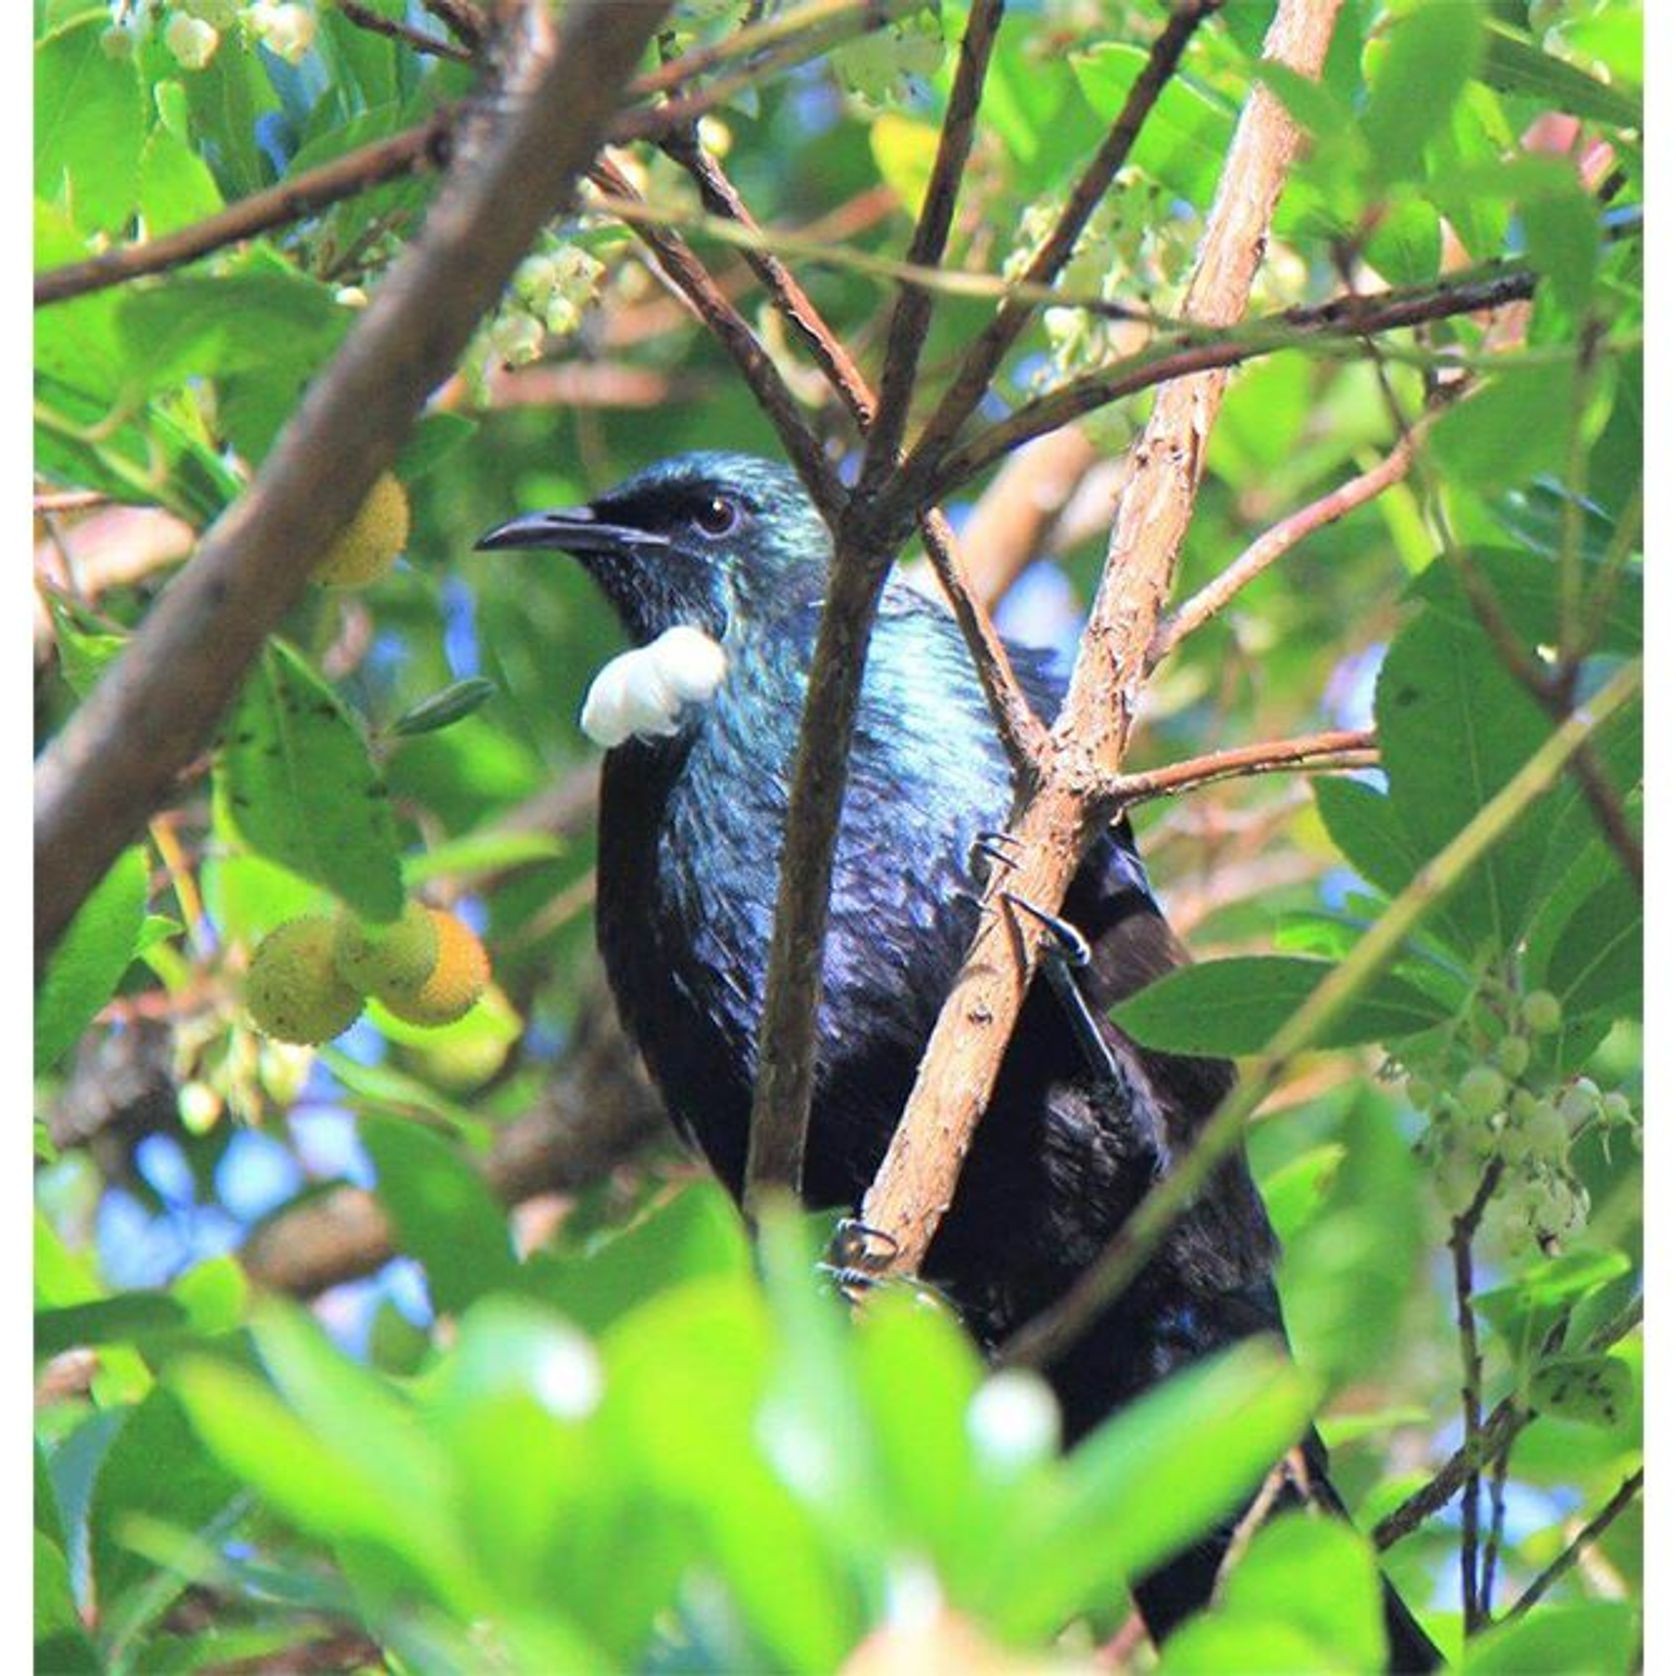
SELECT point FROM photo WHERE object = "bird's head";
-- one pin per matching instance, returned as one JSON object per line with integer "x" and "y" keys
{"x": 713, "y": 540}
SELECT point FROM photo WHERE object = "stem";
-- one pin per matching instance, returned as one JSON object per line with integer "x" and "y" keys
{"x": 1621, "y": 1498}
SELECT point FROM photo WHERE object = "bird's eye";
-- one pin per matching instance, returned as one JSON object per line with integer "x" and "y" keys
{"x": 717, "y": 516}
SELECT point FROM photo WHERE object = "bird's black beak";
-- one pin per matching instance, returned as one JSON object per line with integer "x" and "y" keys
{"x": 578, "y": 530}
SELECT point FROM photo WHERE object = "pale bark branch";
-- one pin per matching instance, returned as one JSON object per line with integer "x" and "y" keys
{"x": 916, "y": 1183}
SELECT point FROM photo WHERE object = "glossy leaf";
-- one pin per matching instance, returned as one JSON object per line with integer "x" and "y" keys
{"x": 87, "y": 964}
{"x": 297, "y": 781}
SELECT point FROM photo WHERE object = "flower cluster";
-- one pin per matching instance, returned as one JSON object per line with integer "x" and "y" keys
{"x": 1493, "y": 1101}
{"x": 192, "y": 30}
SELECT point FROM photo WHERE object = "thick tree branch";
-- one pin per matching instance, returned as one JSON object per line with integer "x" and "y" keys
{"x": 865, "y": 538}
{"x": 916, "y": 1182}
{"x": 158, "y": 706}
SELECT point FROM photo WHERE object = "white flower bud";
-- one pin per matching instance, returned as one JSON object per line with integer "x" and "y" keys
{"x": 191, "y": 40}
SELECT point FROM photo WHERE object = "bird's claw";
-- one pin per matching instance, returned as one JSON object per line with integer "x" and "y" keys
{"x": 857, "y": 1257}
{"x": 1068, "y": 945}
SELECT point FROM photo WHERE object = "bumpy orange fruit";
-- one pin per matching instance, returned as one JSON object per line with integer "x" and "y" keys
{"x": 454, "y": 984}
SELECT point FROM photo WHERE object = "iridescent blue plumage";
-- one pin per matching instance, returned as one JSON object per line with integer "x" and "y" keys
{"x": 690, "y": 834}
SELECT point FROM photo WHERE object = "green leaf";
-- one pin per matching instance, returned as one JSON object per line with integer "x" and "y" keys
{"x": 442, "y": 709}
{"x": 443, "y": 1213}
{"x": 1407, "y": 245}
{"x": 1515, "y": 428}
{"x": 1186, "y": 134}
{"x": 1152, "y": 1478}
{"x": 296, "y": 779}
{"x": 84, "y": 969}
{"x": 61, "y": 1643}
{"x": 156, "y": 1466}
{"x": 1596, "y": 962}
{"x": 226, "y": 98}
{"x": 494, "y": 851}
{"x": 1528, "y": 1309}
{"x": 1593, "y": 1635}
{"x": 1515, "y": 64}
{"x": 89, "y": 127}
{"x": 1598, "y": 1390}
{"x": 263, "y": 318}
{"x": 696, "y": 1233}
{"x": 1362, "y": 821}
{"x": 1294, "y": 1193}
{"x": 127, "y": 1316}
{"x": 1454, "y": 727}
{"x": 1347, "y": 1271}
{"x": 1429, "y": 57}
{"x": 1302, "y": 1575}
{"x": 903, "y": 152}
{"x": 83, "y": 654}
{"x": 1526, "y": 584}
{"x": 1562, "y": 232}
{"x": 176, "y": 186}
{"x": 1235, "y": 1006}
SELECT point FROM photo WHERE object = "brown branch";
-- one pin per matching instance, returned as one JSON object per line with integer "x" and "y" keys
{"x": 1591, "y": 1532}
{"x": 1277, "y": 541}
{"x": 911, "y": 318}
{"x": 159, "y": 704}
{"x": 688, "y": 276}
{"x": 462, "y": 17}
{"x": 1337, "y": 749}
{"x": 364, "y": 17}
{"x": 865, "y": 536}
{"x": 986, "y": 353}
{"x": 421, "y": 147}
{"x": 916, "y": 1182}
{"x": 1343, "y": 319}
{"x": 1461, "y": 1234}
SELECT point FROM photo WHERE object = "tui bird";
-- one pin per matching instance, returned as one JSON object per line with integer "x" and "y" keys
{"x": 692, "y": 813}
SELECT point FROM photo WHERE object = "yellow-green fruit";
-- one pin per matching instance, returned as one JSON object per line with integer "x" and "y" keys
{"x": 294, "y": 990}
{"x": 376, "y": 534}
{"x": 455, "y": 984}
{"x": 397, "y": 956}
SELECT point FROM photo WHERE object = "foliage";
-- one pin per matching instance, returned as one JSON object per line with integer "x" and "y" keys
{"x": 588, "y": 1433}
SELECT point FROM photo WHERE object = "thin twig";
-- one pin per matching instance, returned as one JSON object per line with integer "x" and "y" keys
{"x": 1019, "y": 729}
{"x": 1126, "y": 1255}
{"x": 1339, "y": 748}
{"x": 911, "y": 318}
{"x": 158, "y": 705}
{"x": 729, "y": 327}
{"x": 1344, "y": 319}
{"x": 987, "y": 351}
{"x": 420, "y": 147}
{"x": 1504, "y": 1423}
{"x": 1461, "y": 1234}
{"x": 1499, "y": 1467}
{"x": 1546, "y": 1579}
{"x": 1277, "y": 541}
{"x": 462, "y": 17}
{"x": 364, "y": 17}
